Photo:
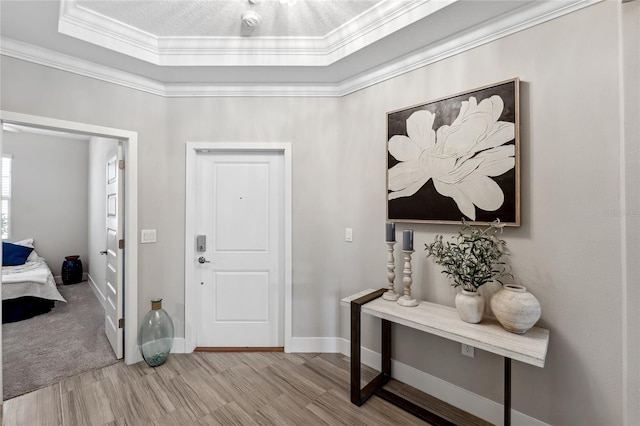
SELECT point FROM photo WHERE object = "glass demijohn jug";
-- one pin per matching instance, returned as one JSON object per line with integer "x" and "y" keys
{"x": 156, "y": 335}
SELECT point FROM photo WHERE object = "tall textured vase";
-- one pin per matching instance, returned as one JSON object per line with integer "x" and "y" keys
{"x": 156, "y": 335}
{"x": 516, "y": 309}
{"x": 470, "y": 306}
{"x": 71, "y": 270}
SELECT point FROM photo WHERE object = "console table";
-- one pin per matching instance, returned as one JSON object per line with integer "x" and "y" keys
{"x": 443, "y": 321}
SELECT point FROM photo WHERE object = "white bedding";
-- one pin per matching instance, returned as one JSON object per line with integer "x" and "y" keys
{"x": 34, "y": 278}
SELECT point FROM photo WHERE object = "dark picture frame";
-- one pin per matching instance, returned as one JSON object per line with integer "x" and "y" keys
{"x": 456, "y": 158}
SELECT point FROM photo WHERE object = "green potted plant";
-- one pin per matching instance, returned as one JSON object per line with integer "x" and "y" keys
{"x": 471, "y": 259}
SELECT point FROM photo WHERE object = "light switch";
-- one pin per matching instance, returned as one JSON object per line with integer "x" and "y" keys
{"x": 348, "y": 235}
{"x": 147, "y": 236}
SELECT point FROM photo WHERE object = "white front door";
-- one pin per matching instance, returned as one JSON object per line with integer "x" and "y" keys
{"x": 115, "y": 255}
{"x": 239, "y": 263}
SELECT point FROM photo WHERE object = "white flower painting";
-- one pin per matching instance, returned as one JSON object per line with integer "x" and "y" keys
{"x": 446, "y": 168}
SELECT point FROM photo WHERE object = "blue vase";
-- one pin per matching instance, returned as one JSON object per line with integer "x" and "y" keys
{"x": 156, "y": 335}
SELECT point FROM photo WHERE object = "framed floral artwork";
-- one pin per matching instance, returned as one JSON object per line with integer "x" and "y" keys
{"x": 456, "y": 158}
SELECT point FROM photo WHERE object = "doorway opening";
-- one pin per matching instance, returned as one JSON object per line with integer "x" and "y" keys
{"x": 128, "y": 141}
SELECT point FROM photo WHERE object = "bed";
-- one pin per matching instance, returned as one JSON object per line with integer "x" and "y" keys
{"x": 28, "y": 288}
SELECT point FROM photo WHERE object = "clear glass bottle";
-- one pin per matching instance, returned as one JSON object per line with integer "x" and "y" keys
{"x": 156, "y": 335}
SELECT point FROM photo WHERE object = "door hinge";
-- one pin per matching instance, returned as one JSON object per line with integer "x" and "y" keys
{"x": 121, "y": 323}
{"x": 121, "y": 244}
{"x": 121, "y": 164}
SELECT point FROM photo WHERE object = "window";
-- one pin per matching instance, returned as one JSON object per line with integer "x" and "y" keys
{"x": 6, "y": 195}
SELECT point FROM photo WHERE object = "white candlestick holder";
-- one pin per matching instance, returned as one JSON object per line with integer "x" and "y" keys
{"x": 407, "y": 299}
{"x": 391, "y": 274}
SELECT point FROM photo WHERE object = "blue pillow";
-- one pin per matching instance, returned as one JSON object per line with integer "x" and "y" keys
{"x": 13, "y": 254}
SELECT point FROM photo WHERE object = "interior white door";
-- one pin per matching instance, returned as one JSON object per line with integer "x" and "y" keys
{"x": 115, "y": 252}
{"x": 240, "y": 210}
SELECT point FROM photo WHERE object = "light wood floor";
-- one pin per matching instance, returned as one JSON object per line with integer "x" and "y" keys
{"x": 216, "y": 389}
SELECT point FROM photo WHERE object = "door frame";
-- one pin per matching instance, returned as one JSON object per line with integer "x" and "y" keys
{"x": 191, "y": 301}
{"x": 129, "y": 140}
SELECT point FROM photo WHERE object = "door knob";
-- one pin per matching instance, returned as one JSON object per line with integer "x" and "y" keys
{"x": 201, "y": 259}
{"x": 103, "y": 252}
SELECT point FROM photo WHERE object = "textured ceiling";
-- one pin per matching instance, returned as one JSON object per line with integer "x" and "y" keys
{"x": 221, "y": 18}
{"x": 211, "y": 33}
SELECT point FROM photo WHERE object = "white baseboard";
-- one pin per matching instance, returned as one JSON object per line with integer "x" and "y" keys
{"x": 298, "y": 345}
{"x": 475, "y": 404}
{"x": 315, "y": 344}
{"x": 178, "y": 345}
{"x": 58, "y": 278}
{"x": 96, "y": 290}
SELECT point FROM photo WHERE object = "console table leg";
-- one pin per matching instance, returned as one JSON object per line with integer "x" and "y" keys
{"x": 358, "y": 395}
{"x": 355, "y": 355}
{"x": 375, "y": 387}
{"x": 386, "y": 348}
{"x": 507, "y": 391}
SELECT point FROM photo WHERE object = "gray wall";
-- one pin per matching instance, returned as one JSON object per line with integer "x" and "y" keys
{"x": 49, "y": 199}
{"x": 98, "y": 152}
{"x": 630, "y": 33}
{"x": 569, "y": 251}
{"x": 312, "y": 126}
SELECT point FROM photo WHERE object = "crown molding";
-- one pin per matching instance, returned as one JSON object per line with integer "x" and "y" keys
{"x": 377, "y": 23}
{"x": 49, "y": 58}
{"x": 502, "y": 27}
{"x": 370, "y": 26}
{"x": 81, "y": 23}
{"x": 462, "y": 42}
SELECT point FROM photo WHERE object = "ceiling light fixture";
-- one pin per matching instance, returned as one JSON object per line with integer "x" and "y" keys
{"x": 251, "y": 19}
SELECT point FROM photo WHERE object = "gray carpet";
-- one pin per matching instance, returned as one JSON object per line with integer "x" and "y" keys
{"x": 62, "y": 343}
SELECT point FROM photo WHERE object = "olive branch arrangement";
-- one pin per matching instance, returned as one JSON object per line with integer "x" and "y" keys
{"x": 473, "y": 258}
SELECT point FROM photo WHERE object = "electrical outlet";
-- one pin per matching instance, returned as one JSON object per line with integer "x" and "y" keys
{"x": 467, "y": 350}
{"x": 348, "y": 235}
{"x": 147, "y": 236}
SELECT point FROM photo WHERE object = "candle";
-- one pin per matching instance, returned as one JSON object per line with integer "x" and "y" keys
{"x": 407, "y": 240}
{"x": 391, "y": 231}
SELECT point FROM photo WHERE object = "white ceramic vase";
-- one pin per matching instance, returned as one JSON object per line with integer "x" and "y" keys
{"x": 516, "y": 309}
{"x": 470, "y": 306}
